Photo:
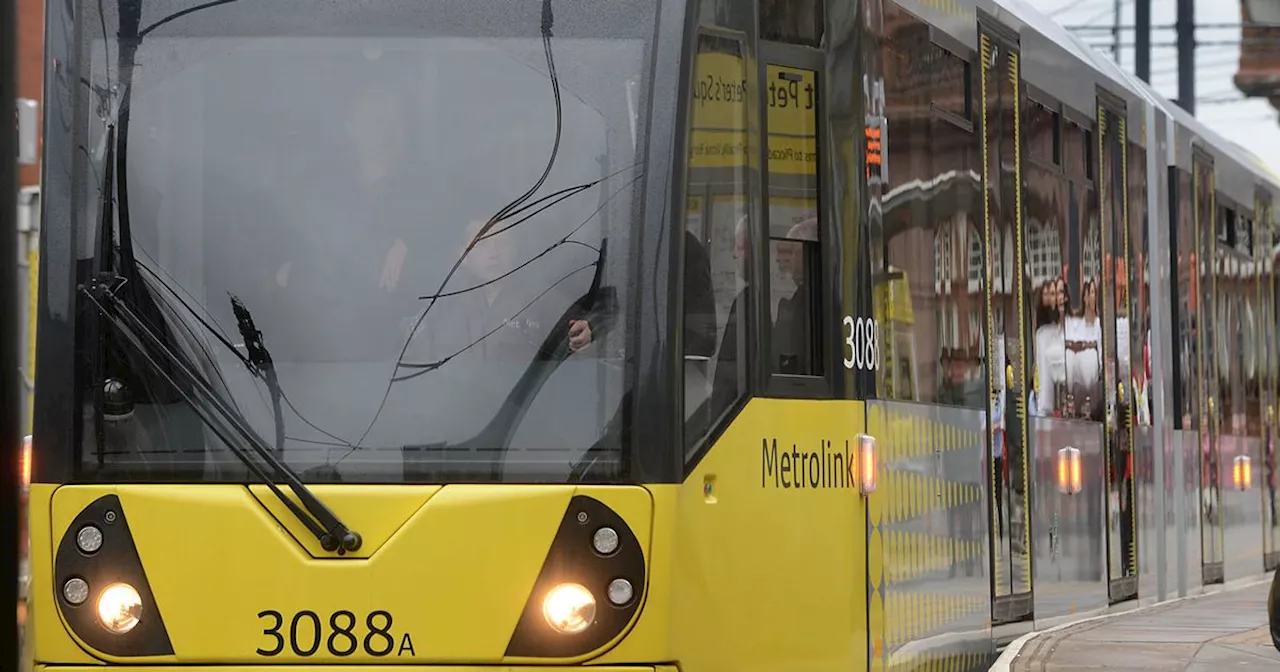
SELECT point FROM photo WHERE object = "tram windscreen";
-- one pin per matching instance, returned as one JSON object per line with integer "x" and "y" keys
{"x": 328, "y": 165}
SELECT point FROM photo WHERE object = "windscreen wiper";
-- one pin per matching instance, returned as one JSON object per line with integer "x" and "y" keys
{"x": 225, "y": 423}
{"x": 260, "y": 364}
{"x": 102, "y": 291}
{"x": 599, "y": 303}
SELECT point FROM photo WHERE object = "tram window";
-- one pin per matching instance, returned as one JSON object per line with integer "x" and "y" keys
{"x": 364, "y": 167}
{"x": 1266, "y": 299}
{"x": 1075, "y": 150}
{"x": 1140, "y": 281}
{"x": 792, "y": 21}
{"x": 717, "y": 245}
{"x": 1203, "y": 326}
{"x": 732, "y": 14}
{"x": 1266, "y": 316}
{"x": 1047, "y": 291}
{"x": 1226, "y": 224}
{"x": 1232, "y": 357}
{"x": 1188, "y": 351}
{"x": 932, "y": 330}
{"x": 1042, "y": 133}
{"x": 1253, "y": 350}
{"x": 1082, "y": 324}
{"x": 795, "y": 243}
{"x": 1113, "y": 303}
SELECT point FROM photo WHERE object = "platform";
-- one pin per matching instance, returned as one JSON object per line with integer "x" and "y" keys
{"x": 1211, "y": 632}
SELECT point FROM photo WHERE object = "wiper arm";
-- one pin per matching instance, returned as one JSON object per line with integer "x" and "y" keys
{"x": 225, "y": 423}
{"x": 260, "y": 364}
{"x": 101, "y": 288}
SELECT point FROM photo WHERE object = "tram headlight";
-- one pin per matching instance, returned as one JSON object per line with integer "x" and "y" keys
{"x": 102, "y": 589}
{"x": 119, "y": 608}
{"x": 569, "y": 608}
{"x": 590, "y": 587}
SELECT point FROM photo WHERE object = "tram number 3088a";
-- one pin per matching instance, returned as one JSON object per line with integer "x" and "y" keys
{"x": 861, "y": 343}
{"x": 306, "y": 634}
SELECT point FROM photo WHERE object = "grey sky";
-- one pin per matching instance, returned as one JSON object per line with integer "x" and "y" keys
{"x": 1250, "y": 122}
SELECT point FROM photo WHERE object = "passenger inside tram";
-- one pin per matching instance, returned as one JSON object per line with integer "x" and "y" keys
{"x": 1050, "y": 373}
{"x": 792, "y": 340}
{"x": 1084, "y": 357}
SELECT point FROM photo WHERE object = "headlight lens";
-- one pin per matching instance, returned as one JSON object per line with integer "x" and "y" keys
{"x": 620, "y": 592}
{"x": 605, "y": 540}
{"x": 75, "y": 590}
{"x": 89, "y": 539}
{"x": 119, "y": 607}
{"x": 569, "y": 608}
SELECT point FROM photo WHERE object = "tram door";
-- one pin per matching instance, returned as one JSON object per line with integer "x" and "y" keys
{"x": 1264, "y": 321}
{"x": 1005, "y": 326}
{"x": 1211, "y": 541}
{"x": 1117, "y": 395}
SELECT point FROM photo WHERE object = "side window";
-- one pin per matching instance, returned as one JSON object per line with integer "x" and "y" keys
{"x": 1188, "y": 346}
{"x": 796, "y": 344}
{"x": 792, "y": 21}
{"x": 716, "y": 238}
{"x": 1140, "y": 282}
{"x": 929, "y": 295}
{"x": 1047, "y": 236}
{"x": 1202, "y": 286}
{"x": 1113, "y": 294}
{"x": 1082, "y": 331}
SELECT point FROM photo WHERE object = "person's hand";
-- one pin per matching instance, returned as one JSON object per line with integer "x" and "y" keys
{"x": 579, "y": 335}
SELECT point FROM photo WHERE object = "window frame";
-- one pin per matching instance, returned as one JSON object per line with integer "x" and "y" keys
{"x": 1038, "y": 97}
{"x": 689, "y": 455}
{"x": 769, "y": 382}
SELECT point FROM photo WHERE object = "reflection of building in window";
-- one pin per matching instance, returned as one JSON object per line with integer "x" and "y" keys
{"x": 975, "y": 260}
{"x": 942, "y": 258}
{"x": 1045, "y": 250}
{"x": 898, "y": 369}
{"x": 1004, "y": 261}
{"x": 975, "y": 328}
{"x": 1093, "y": 251}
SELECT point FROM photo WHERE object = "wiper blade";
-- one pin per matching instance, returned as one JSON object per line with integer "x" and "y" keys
{"x": 228, "y": 425}
{"x": 260, "y": 364}
{"x": 100, "y": 290}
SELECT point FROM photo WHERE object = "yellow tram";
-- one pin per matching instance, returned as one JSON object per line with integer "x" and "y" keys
{"x": 692, "y": 335}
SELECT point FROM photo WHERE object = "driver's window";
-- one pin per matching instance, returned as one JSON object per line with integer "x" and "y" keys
{"x": 716, "y": 241}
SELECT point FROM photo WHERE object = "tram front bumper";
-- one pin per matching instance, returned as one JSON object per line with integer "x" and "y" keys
{"x": 358, "y": 668}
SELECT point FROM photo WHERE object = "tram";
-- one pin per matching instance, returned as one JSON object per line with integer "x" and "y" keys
{"x": 690, "y": 335}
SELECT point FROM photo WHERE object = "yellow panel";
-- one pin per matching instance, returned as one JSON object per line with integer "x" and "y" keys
{"x": 51, "y": 643}
{"x": 746, "y": 574}
{"x": 766, "y": 576}
{"x": 455, "y": 576}
{"x": 375, "y": 511}
{"x": 650, "y": 638}
{"x": 365, "y": 668}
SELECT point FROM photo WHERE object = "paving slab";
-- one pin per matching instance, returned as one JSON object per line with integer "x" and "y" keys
{"x": 1207, "y": 634}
